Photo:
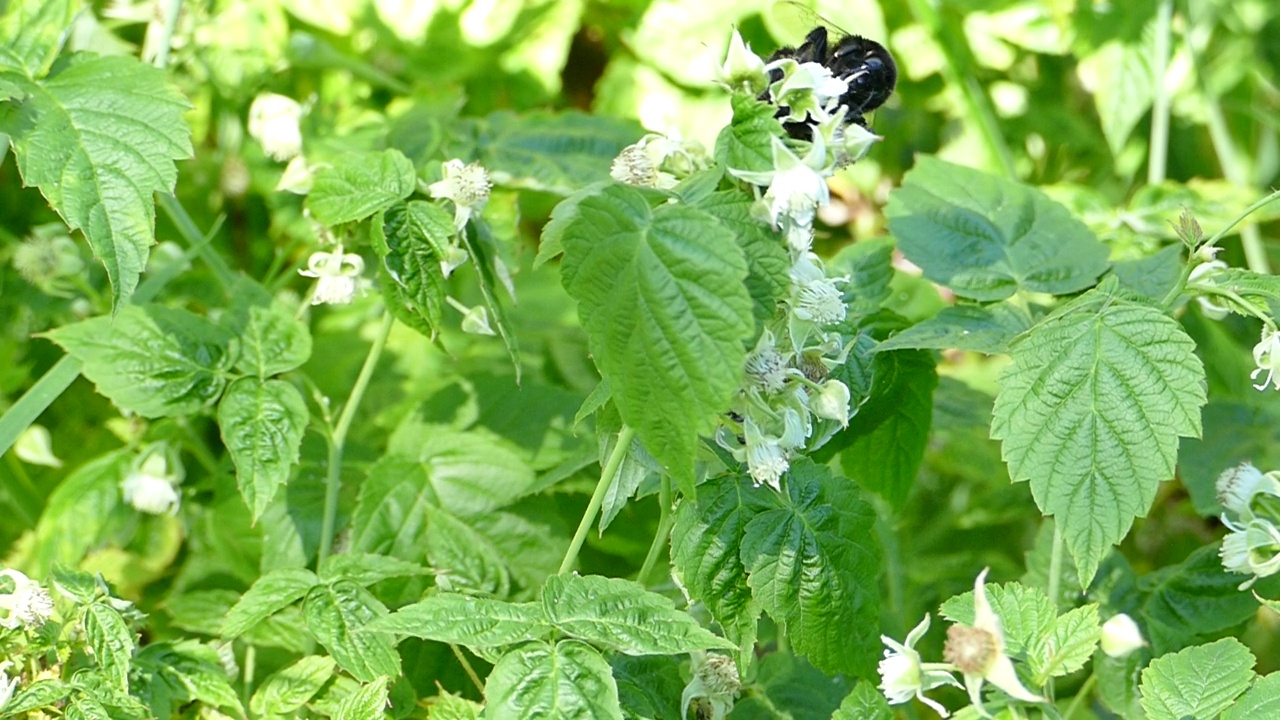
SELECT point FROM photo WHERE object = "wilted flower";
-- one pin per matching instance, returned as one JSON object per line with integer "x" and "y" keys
{"x": 978, "y": 652}
{"x": 832, "y": 402}
{"x": 28, "y": 605}
{"x": 903, "y": 676}
{"x": 7, "y": 685}
{"x": 467, "y": 185}
{"x": 273, "y": 122}
{"x": 1121, "y": 636}
{"x": 454, "y": 258}
{"x": 715, "y": 680}
{"x": 46, "y": 257}
{"x": 743, "y": 68}
{"x": 1238, "y": 486}
{"x": 475, "y": 321}
{"x": 1266, "y": 355}
{"x": 149, "y": 488}
{"x": 766, "y": 368}
{"x": 336, "y": 276}
{"x": 35, "y": 446}
{"x": 1252, "y": 548}
{"x": 766, "y": 460}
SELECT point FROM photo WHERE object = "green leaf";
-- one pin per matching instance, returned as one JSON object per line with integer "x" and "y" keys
{"x": 482, "y": 249}
{"x": 288, "y": 689}
{"x": 1260, "y": 701}
{"x": 985, "y": 329}
{"x": 986, "y": 237}
{"x": 465, "y": 620}
{"x": 32, "y": 32}
{"x": 40, "y": 694}
{"x": 270, "y": 594}
{"x": 111, "y": 642}
{"x": 767, "y": 261}
{"x": 788, "y": 688}
{"x": 553, "y": 152}
{"x": 567, "y": 681}
{"x": 447, "y": 706}
{"x": 812, "y": 564}
{"x": 151, "y": 360}
{"x": 1193, "y": 601}
{"x": 1026, "y": 613}
{"x": 1124, "y": 88}
{"x": 462, "y": 558}
{"x": 551, "y": 242}
{"x": 661, "y": 295}
{"x": 1199, "y": 682}
{"x": 705, "y": 541}
{"x": 648, "y": 686}
{"x": 262, "y": 423}
{"x": 1153, "y": 275}
{"x": 747, "y": 143}
{"x": 78, "y": 512}
{"x": 367, "y": 703}
{"x": 869, "y": 265}
{"x": 360, "y": 185}
{"x": 621, "y": 615}
{"x": 410, "y": 240}
{"x": 99, "y": 137}
{"x": 1067, "y": 646}
{"x": 273, "y": 341}
{"x": 335, "y": 614}
{"x": 365, "y": 569}
{"x": 864, "y": 703}
{"x": 1118, "y": 682}
{"x": 1090, "y": 412}
{"x": 885, "y": 442}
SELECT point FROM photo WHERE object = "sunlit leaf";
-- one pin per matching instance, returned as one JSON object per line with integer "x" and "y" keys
{"x": 568, "y": 680}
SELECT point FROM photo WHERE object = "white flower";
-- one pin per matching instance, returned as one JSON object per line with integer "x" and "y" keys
{"x": 808, "y": 90}
{"x": 743, "y": 68}
{"x": 273, "y": 122}
{"x": 1266, "y": 355}
{"x": 903, "y": 676}
{"x": 28, "y": 605}
{"x": 35, "y": 446}
{"x": 1121, "y": 636}
{"x": 7, "y": 685}
{"x": 766, "y": 461}
{"x": 1251, "y": 548}
{"x": 467, "y": 185}
{"x": 978, "y": 652}
{"x": 832, "y": 403}
{"x": 795, "y": 426}
{"x": 797, "y": 188}
{"x": 715, "y": 680}
{"x": 149, "y": 488}
{"x": 336, "y": 276}
{"x": 815, "y": 297}
{"x": 1210, "y": 306}
{"x": 296, "y": 177}
{"x": 766, "y": 368}
{"x": 1238, "y": 486}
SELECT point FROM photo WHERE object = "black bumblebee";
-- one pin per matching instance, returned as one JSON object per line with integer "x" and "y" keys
{"x": 864, "y": 64}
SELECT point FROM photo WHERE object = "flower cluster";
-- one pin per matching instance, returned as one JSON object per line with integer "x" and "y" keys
{"x": 1251, "y": 500}
{"x": 713, "y": 688}
{"x": 28, "y": 605}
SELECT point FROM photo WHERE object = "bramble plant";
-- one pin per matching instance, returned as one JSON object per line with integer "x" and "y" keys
{"x": 432, "y": 402}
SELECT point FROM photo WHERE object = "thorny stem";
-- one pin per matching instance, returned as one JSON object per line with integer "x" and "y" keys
{"x": 338, "y": 439}
{"x": 597, "y": 498}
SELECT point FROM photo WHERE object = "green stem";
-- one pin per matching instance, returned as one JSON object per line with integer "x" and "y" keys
{"x": 1077, "y": 702}
{"x": 1055, "y": 565}
{"x": 36, "y": 400}
{"x": 191, "y": 234}
{"x": 665, "y": 521}
{"x": 250, "y": 668}
{"x": 1213, "y": 240}
{"x": 161, "y": 53}
{"x": 27, "y": 501}
{"x": 337, "y": 440}
{"x": 1159, "y": 151}
{"x": 597, "y": 498}
{"x": 893, "y": 565}
{"x": 466, "y": 667}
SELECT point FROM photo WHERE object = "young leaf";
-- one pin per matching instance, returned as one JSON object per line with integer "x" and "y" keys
{"x": 111, "y": 642}
{"x": 661, "y": 295}
{"x": 152, "y": 360}
{"x": 367, "y": 703}
{"x": 747, "y": 143}
{"x": 568, "y": 681}
{"x": 864, "y": 703}
{"x": 262, "y": 423}
{"x": 986, "y": 237}
{"x": 1260, "y": 701}
{"x": 704, "y": 552}
{"x": 360, "y": 185}
{"x": 812, "y": 563}
{"x": 335, "y": 614}
{"x": 1199, "y": 682}
{"x": 447, "y": 706}
{"x": 985, "y": 329}
{"x": 410, "y": 240}
{"x": 475, "y": 622}
{"x": 1067, "y": 646}
{"x": 365, "y": 569}
{"x": 622, "y": 616}
{"x": 482, "y": 249}
{"x": 1090, "y": 412}
{"x": 1026, "y": 614}
{"x": 767, "y": 261}
{"x": 463, "y": 558}
{"x": 99, "y": 136}
{"x": 289, "y": 688}
{"x": 270, "y": 594}
{"x": 273, "y": 341}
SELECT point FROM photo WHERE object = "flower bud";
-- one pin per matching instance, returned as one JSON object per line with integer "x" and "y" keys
{"x": 1121, "y": 636}
{"x": 273, "y": 122}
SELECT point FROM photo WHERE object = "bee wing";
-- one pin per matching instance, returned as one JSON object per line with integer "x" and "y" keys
{"x": 791, "y": 20}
